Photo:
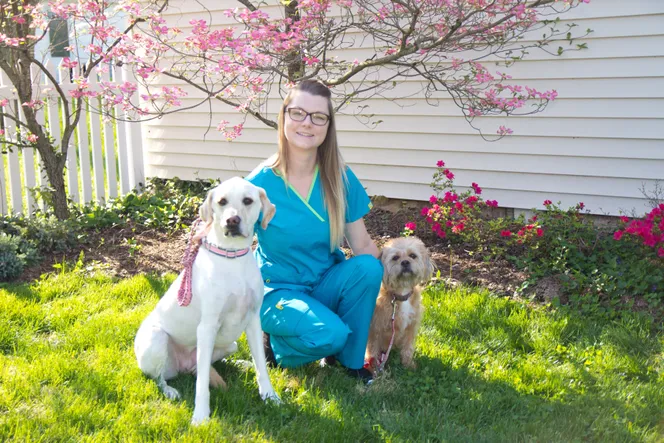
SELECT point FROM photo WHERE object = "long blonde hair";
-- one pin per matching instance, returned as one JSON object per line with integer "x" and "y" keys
{"x": 331, "y": 166}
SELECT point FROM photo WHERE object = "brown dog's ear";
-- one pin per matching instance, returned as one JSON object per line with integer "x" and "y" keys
{"x": 205, "y": 211}
{"x": 428, "y": 265}
{"x": 268, "y": 208}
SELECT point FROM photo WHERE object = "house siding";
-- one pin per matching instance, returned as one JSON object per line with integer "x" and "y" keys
{"x": 600, "y": 142}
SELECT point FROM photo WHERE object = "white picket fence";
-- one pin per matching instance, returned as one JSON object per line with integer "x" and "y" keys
{"x": 104, "y": 160}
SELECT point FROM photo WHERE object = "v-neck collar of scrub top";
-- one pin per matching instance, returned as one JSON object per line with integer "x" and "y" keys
{"x": 311, "y": 188}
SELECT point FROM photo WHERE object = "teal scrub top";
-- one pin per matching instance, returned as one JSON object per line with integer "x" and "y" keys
{"x": 294, "y": 251}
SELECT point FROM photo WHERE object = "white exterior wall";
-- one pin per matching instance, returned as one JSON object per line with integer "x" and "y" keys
{"x": 599, "y": 142}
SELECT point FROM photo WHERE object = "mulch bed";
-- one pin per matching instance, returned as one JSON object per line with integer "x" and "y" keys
{"x": 159, "y": 252}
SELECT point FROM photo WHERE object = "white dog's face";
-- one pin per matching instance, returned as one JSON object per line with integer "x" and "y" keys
{"x": 406, "y": 263}
{"x": 234, "y": 206}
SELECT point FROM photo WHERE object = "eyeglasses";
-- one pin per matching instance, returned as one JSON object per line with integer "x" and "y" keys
{"x": 299, "y": 115}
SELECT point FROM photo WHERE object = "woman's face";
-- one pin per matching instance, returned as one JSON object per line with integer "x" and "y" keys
{"x": 305, "y": 135}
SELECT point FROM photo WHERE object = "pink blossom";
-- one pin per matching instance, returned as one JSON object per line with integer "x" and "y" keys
{"x": 540, "y": 232}
{"x": 424, "y": 212}
{"x": 69, "y": 63}
{"x": 617, "y": 235}
{"x": 410, "y": 226}
{"x": 440, "y": 163}
{"x": 32, "y": 138}
{"x": 547, "y": 202}
{"x": 476, "y": 188}
{"x": 433, "y": 199}
{"x": 506, "y": 233}
{"x": 492, "y": 203}
{"x": 660, "y": 252}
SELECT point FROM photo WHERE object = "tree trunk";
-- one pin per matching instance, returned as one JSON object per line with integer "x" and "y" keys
{"x": 57, "y": 196}
{"x": 295, "y": 65}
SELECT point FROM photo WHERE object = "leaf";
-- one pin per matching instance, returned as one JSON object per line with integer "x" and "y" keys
{"x": 560, "y": 50}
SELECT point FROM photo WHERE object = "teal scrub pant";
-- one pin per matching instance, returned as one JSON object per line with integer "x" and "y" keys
{"x": 331, "y": 320}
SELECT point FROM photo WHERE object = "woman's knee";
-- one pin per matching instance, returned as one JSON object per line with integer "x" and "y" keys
{"x": 327, "y": 339}
{"x": 371, "y": 268}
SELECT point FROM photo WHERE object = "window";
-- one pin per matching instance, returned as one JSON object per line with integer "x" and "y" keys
{"x": 58, "y": 33}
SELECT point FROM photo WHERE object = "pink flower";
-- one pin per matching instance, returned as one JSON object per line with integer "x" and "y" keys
{"x": 448, "y": 174}
{"x": 624, "y": 219}
{"x": 435, "y": 227}
{"x": 506, "y": 233}
{"x": 411, "y": 226}
{"x": 424, "y": 212}
{"x": 440, "y": 163}
{"x": 618, "y": 235}
{"x": 476, "y": 188}
{"x": 433, "y": 199}
{"x": 441, "y": 234}
{"x": 660, "y": 252}
{"x": 492, "y": 203}
{"x": 458, "y": 228}
{"x": 32, "y": 138}
{"x": 2, "y": 132}
{"x": 540, "y": 232}
{"x": 547, "y": 202}
{"x": 580, "y": 205}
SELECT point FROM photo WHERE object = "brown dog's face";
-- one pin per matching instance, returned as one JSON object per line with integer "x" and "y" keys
{"x": 406, "y": 263}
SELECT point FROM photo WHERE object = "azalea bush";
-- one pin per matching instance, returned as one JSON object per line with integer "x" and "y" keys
{"x": 599, "y": 269}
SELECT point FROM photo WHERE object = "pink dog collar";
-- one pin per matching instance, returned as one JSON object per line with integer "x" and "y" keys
{"x": 228, "y": 253}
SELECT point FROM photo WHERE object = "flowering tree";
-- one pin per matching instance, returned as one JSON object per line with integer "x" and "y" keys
{"x": 442, "y": 43}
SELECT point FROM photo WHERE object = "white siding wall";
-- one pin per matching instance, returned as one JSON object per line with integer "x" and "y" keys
{"x": 599, "y": 142}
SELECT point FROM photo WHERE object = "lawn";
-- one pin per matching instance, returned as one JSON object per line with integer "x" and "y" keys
{"x": 489, "y": 369}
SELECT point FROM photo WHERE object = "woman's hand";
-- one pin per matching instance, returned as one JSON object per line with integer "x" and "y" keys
{"x": 359, "y": 239}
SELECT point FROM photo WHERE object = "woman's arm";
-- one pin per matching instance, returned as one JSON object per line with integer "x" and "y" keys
{"x": 359, "y": 240}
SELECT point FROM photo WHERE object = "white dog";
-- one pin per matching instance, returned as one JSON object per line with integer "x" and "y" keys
{"x": 226, "y": 294}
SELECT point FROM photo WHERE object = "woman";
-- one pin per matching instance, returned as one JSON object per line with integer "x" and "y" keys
{"x": 317, "y": 304}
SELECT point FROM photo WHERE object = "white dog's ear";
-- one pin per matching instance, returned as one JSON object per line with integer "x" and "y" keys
{"x": 205, "y": 211}
{"x": 268, "y": 208}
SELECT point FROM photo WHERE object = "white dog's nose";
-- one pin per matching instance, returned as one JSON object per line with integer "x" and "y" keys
{"x": 233, "y": 222}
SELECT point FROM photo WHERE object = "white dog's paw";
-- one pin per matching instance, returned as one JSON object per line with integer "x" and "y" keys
{"x": 271, "y": 397}
{"x": 201, "y": 415}
{"x": 171, "y": 393}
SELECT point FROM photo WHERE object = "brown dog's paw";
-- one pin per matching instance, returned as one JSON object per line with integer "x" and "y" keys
{"x": 216, "y": 381}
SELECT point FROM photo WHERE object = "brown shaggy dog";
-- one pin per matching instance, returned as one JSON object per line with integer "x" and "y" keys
{"x": 406, "y": 264}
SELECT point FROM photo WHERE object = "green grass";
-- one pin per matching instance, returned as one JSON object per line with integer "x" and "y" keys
{"x": 489, "y": 369}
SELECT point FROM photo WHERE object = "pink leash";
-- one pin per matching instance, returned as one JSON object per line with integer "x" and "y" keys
{"x": 193, "y": 245}
{"x": 385, "y": 355}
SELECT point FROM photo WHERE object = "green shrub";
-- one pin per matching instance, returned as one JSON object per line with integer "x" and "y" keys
{"x": 164, "y": 204}
{"x": 11, "y": 261}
